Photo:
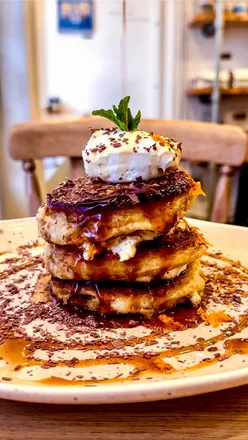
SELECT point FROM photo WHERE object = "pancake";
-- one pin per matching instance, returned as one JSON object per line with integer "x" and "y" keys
{"x": 153, "y": 259}
{"x": 145, "y": 299}
{"x": 81, "y": 210}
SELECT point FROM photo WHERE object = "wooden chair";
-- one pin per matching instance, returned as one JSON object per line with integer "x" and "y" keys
{"x": 221, "y": 145}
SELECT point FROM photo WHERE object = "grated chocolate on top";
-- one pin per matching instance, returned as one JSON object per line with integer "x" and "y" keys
{"x": 85, "y": 192}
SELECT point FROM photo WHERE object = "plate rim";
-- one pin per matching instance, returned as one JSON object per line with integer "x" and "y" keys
{"x": 127, "y": 392}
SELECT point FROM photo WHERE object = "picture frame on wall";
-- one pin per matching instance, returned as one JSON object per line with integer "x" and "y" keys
{"x": 75, "y": 16}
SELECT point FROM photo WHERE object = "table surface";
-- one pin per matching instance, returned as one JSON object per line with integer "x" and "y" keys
{"x": 221, "y": 415}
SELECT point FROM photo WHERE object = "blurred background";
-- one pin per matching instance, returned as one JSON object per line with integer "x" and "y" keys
{"x": 177, "y": 59}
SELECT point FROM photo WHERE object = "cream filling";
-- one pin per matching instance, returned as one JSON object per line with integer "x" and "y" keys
{"x": 174, "y": 272}
{"x": 195, "y": 298}
{"x": 89, "y": 250}
{"x": 126, "y": 248}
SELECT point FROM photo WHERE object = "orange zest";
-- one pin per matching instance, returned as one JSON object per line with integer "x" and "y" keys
{"x": 199, "y": 189}
{"x": 169, "y": 321}
{"x": 161, "y": 365}
{"x": 200, "y": 236}
{"x": 215, "y": 319}
{"x": 158, "y": 138}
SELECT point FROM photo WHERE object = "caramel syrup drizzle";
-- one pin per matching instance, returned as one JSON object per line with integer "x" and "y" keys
{"x": 19, "y": 352}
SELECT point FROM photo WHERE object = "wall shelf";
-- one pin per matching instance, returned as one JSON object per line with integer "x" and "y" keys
{"x": 235, "y": 91}
{"x": 230, "y": 19}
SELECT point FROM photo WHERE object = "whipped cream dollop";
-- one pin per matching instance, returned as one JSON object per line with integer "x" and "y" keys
{"x": 113, "y": 155}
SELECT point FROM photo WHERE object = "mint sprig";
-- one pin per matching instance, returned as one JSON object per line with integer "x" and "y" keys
{"x": 121, "y": 115}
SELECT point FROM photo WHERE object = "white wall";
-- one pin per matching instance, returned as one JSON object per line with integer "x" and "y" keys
{"x": 88, "y": 73}
{"x": 14, "y": 105}
{"x": 157, "y": 58}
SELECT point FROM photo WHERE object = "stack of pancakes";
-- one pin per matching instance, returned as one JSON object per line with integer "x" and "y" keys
{"x": 122, "y": 247}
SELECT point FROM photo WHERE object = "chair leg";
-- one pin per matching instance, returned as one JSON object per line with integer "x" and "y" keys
{"x": 222, "y": 199}
{"x": 33, "y": 188}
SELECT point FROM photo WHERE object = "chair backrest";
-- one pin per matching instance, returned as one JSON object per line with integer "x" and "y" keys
{"x": 202, "y": 142}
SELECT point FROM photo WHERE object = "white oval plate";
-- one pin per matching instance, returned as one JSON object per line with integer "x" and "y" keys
{"x": 232, "y": 241}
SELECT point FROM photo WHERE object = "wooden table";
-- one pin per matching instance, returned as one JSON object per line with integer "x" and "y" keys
{"x": 222, "y": 415}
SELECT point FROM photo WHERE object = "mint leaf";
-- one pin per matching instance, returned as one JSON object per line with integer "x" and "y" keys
{"x": 116, "y": 110}
{"x": 136, "y": 121}
{"x": 109, "y": 114}
{"x": 123, "y": 110}
{"x": 130, "y": 120}
{"x": 121, "y": 115}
